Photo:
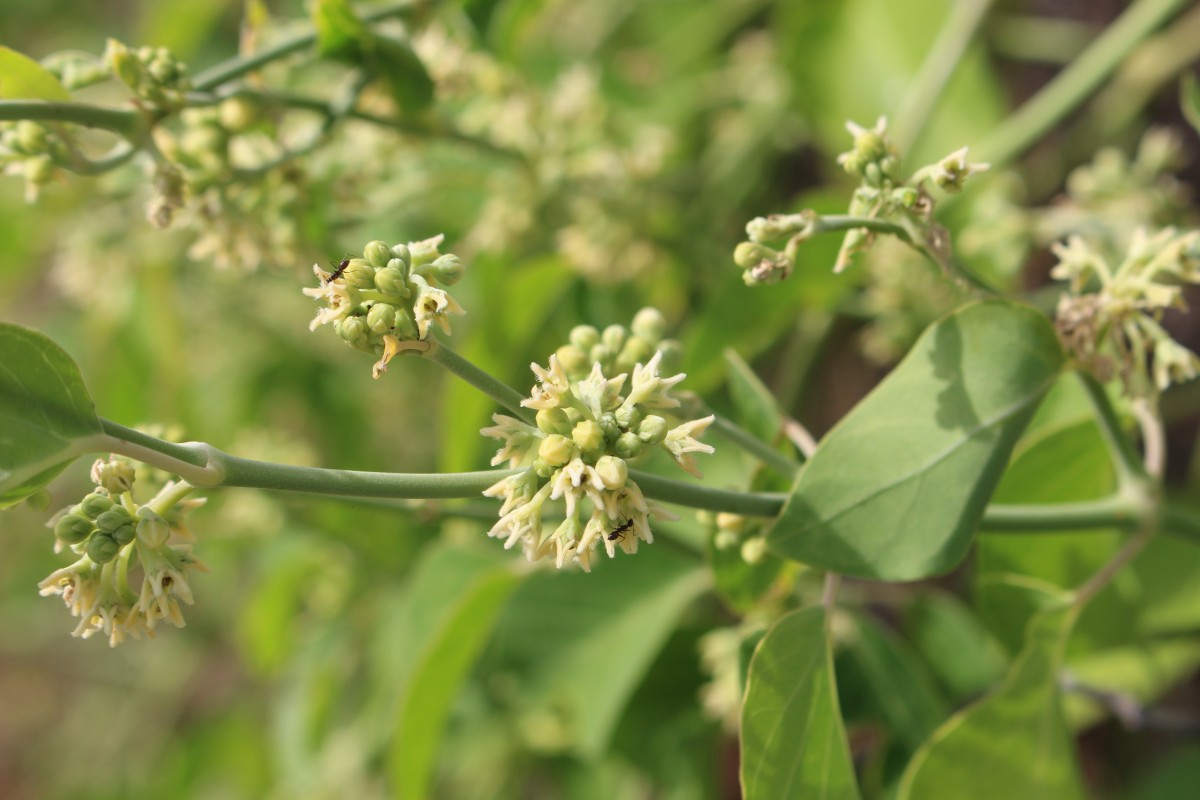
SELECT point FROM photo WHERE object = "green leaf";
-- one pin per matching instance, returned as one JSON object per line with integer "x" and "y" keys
{"x": 409, "y": 81}
{"x": 896, "y": 489}
{"x": 578, "y": 644}
{"x": 22, "y": 78}
{"x": 756, "y": 409}
{"x": 958, "y": 648}
{"x": 340, "y": 33}
{"x": 793, "y": 741}
{"x": 47, "y": 418}
{"x": 456, "y": 597}
{"x": 1015, "y": 741}
{"x": 1189, "y": 100}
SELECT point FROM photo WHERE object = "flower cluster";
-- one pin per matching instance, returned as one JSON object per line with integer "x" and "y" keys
{"x": 32, "y": 150}
{"x": 153, "y": 74}
{"x": 881, "y": 194}
{"x": 1119, "y": 320}
{"x": 107, "y": 530}
{"x": 390, "y": 295}
{"x": 589, "y": 428}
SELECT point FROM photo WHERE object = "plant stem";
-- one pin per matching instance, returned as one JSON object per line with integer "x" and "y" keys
{"x": 239, "y": 66}
{"x": 1071, "y": 86}
{"x": 493, "y": 387}
{"x": 756, "y": 447}
{"x": 124, "y": 122}
{"x": 947, "y": 50}
{"x": 1126, "y": 462}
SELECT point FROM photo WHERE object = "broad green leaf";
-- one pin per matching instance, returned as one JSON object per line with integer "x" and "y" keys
{"x": 1189, "y": 100}
{"x": 1015, "y": 741}
{"x": 756, "y": 409}
{"x": 340, "y": 33}
{"x": 47, "y": 418}
{"x": 22, "y": 78}
{"x": 896, "y": 489}
{"x": 792, "y": 737}
{"x": 410, "y": 84}
{"x": 577, "y": 645}
{"x": 955, "y": 644}
{"x": 461, "y": 595}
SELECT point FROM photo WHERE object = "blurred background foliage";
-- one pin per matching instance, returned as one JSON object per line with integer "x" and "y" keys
{"x": 610, "y": 154}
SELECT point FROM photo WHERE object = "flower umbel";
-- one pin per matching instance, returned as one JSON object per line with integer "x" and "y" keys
{"x": 587, "y": 433}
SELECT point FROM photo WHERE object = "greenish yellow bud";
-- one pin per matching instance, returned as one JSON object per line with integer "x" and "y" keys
{"x": 95, "y": 504}
{"x": 401, "y": 252}
{"x": 406, "y": 326}
{"x": 649, "y": 324}
{"x": 672, "y": 356}
{"x": 613, "y": 337}
{"x": 613, "y": 472}
{"x": 39, "y": 170}
{"x": 114, "y": 518}
{"x": 652, "y": 429}
{"x": 636, "y": 351}
{"x": 750, "y": 254}
{"x": 73, "y": 528}
{"x": 377, "y": 254}
{"x": 113, "y": 475}
{"x": 628, "y": 417}
{"x": 381, "y": 318}
{"x": 102, "y": 548}
{"x": 123, "y": 63}
{"x": 754, "y": 549}
{"x": 585, "y": 337}
{"x": 390, "y": 280}
{"x": 123, "y": 535}
{"x": 628, "y": 446}
{"x": 725, "y": 540}
{"x": 543, "y": 468}
{"x": 237, "y": 114}
{"x": 553, "y": 420}
{"x": 608, "y": 424}
{"x": 152, "y": 530}
{"x": 573, "y": 360}
{"x": 556, "y": 450}
{"x": 352, "y": 329}
{"x": 731, "y": 522}
{"x": 601, "y": 354}
{"x": 447, "y": 270}
{"x": 422, "y": 253}
{"x": 31, "y": 137}
{"x": 589, "y": 436}
{"x": 359, "y": 274}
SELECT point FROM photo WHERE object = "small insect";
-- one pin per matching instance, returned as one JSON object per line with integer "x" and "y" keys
{"x": 619, "y": 531}
{"x": 337, "y": 273}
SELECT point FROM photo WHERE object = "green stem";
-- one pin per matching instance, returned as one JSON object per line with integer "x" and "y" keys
{"x": 669, "y": 490}
{"x": 1072, "y": 86}
{"x": 237, "y": 67}
{"x": 756, "y": 447}
{"x": 1116, "y": 511}
{"x": 494, "y": 388}
{"x": 125, "y": 122}
{"x": 1125, "y": 459}
{"x": 947, "y": 50}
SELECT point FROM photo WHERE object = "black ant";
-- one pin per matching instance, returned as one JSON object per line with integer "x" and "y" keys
{"x": 619, "y": 531}
{"x": 337, "y": 273}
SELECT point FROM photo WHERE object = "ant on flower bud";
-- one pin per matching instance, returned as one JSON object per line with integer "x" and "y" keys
{"x": 337, "y": 273}
{"x": 619, "y": 531}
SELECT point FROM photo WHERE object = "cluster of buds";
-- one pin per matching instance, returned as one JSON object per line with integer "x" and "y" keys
{"x": 389, "y": 296}
{"x": 30, "y": 149}
{"x": 153, "y": 74}
{"x": 1119, "y": 320}
{"x": 108, "y": 530}
{"x": 744, "y": 533}
{"x": 589, "y": 428}
{"x": 881, "y": 194}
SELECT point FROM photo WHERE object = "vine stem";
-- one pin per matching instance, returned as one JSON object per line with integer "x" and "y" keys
{"x": 1071, "y": 86}
{"x": 493, "y": 387}
{"x": 124, "y": 122}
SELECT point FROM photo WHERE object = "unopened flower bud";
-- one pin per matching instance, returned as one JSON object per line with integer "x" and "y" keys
{"x": 114, "y": 518}
{"x": 613, "y": 471}
{"x": 556, "y": 450}
{"x": 447, "y": 270}
{"x": 102, "y": 548}
{"x": 31, "y": 137}
{"x": 543, "y": 468}
{"x": 573, "y": 359}
{"x": 730, "y": 522}
{"x": 749, "y": 254}
{"x": 608, "y": 424}
{"x": 725, "y": 540}
{"x": 237, "y": 114}
{"x": 672, "y": 356}
{"x": 649, "y": 324}
{"x": 636, "y": 351}
{"x": 123, "y": 535}
{"x": 614, "y": 337}
{"x": 390, "y": 280}
{"x": 359, "y": 274}
{"x": 628, "y": 446}
{"x": 382, "y": 317}
{"x": 628, "y": 417}
{"x": 401, "y": 252}
{"x": 95, "y": 504}
{"x": 585, "y": 337}
{"x": 152, "y": 530}
{"x": 553, "y": 420}
{"x": 600, "y": 354}
{"x": 589, "y": 436}
{"x": 754, "y": 549}
{"x": 114, "y": 476}
{"x": 353, "y": 330}
{"x": 377, "y": 254}
{"x": 73, "y": 528}
{"x": 652, "y": 429}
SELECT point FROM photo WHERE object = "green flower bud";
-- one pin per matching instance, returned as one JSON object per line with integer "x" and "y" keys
{"x": 573, "y": 359}
{"x": 574, "y": 415}
{"x": 102, "y": 548}
{"x": 589, "y": 436}
{"x": 377, "y": 253}
{"x": 628, "y": 417}
{"x": 422, "y": 253}
{"x": 123, "y": 535}
{"x": 553, "y": 420}
{"x": 73, "y": 528}
{"x": 447, "y": 270}
{"x": 608, "y": 424}
{"x": 359, "y": 274}
{"x": 754, "y": 549}
{"x": 39, "y": 170}
{"x": 672, "y": 356}
{"x": 649, "y": 324}
{"x": 114, "y": 518}
{"x": 114, "y": 475}
{"x": 123, "y": 63}
{"x": 381, "y": 318}
{"x": 390, "y": 280}
{"x": 543, "y": 468}
{"x": 152, "y": 530}
{"x": 748, "y": 255}
{"x": 628, "y": 446}
{"x": 614, "y": 337}
{"x": 585, "y": 337}
{"x": 30, "y": 137}
{"x": 636, "y": 351}
{"x": 601, "y": 354}
{"x": 352, "y": 329}
{"x": 95, "y": 504}
{"x": 725, "y": 540}
{"x": 556, "y": 450}
{"x": 613, "y": 471}
{"x": 401, "y": 252}
{"x": 652, "y": 429}
{"x": 731, "y": 522}
{"x": 406, "y": 326}
{"x": 237, "y": 114}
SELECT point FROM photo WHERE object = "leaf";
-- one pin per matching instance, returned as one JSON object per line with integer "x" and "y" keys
{"x": 755, "y": 404}
{"x": 792, "y": 738}
{"x": 460, "y": 595}
{"x": 896, "y": 489}
{"x": 1189, "y": 100}
{"x": 22, "y": 78}
{"x": 959, "y": 650}
{"x": 1143, "y": 671}
{"x": 579, "y": 644}
{"x": 47, "y": 418}
{"x": 340, "y": 33}
{"x": 407, "y": 78}
{"x": 1015, "y": 741}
